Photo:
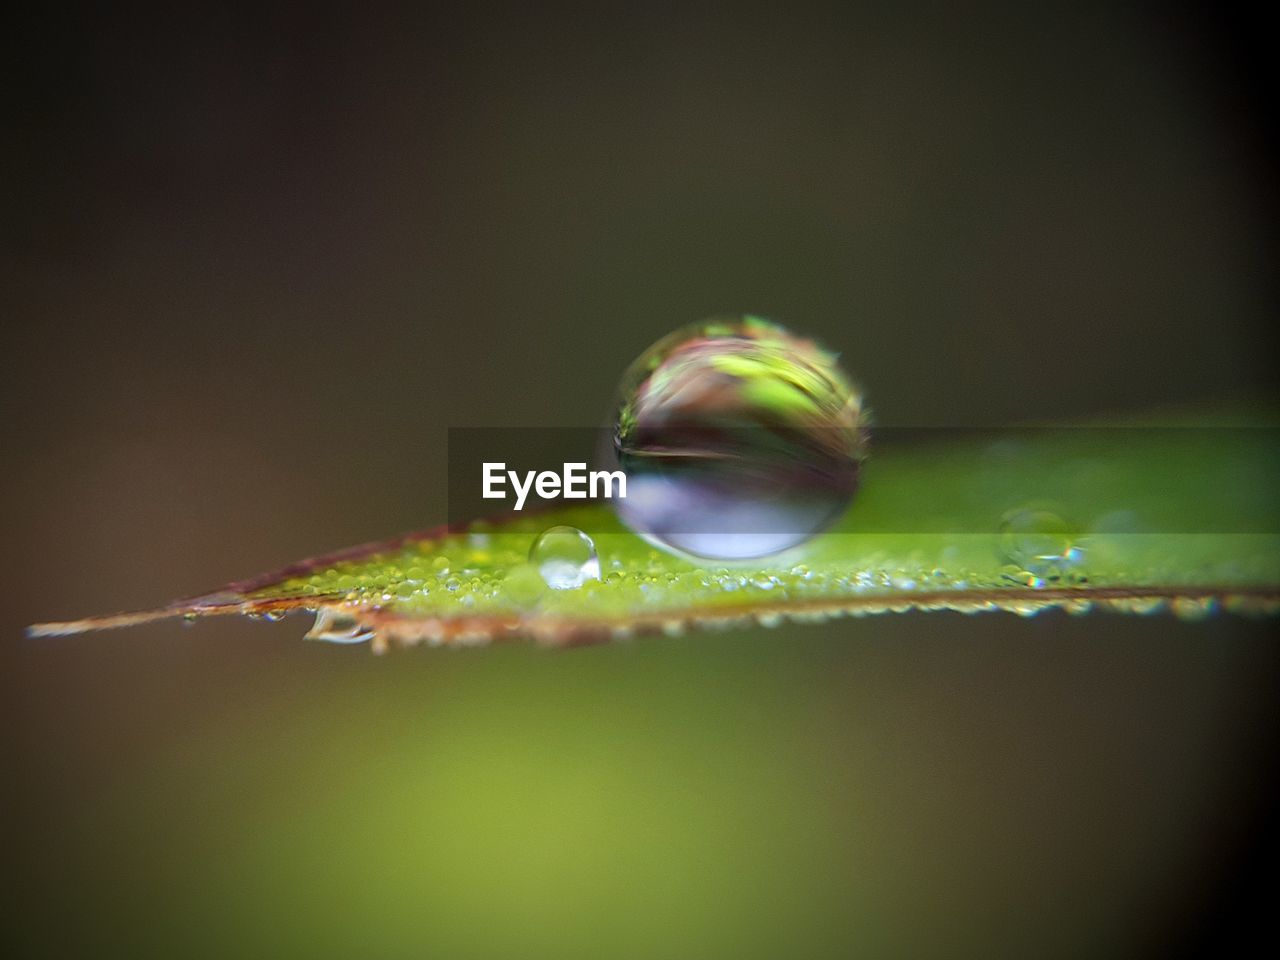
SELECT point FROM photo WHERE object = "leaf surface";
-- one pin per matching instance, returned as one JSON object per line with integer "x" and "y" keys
{"x": 1148, "y": 518}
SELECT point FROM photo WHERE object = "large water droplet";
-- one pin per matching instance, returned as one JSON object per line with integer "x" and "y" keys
{"x": 565, "y": 557}
{"x": 1038, "y": 541}
{"x": 739, "y": 439}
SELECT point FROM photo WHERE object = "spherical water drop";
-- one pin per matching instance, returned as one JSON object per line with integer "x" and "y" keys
{"x": 523, "y": 585}
{"x": 1038, "y": 541}
{"x": 565, "y": 557}
{"x": 738, "y": 439}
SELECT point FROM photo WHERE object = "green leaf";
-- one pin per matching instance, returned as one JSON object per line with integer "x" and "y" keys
{"x": 1133, "y": 519}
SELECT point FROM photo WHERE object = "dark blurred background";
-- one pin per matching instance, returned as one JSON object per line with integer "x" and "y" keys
{"x": 255, "y": 264}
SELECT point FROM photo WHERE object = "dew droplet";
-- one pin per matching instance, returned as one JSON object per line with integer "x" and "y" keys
{"x": 1193, "y": 608}
{"x": 738, "y": 439}
{"x": 1038, "y": 542}
{"x": 565, "y": 557}
{"x": 523, "y": 585}
{"x": 334, "y": 627}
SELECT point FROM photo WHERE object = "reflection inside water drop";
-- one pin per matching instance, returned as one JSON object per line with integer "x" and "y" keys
{"x": 334, "y": 627}
{"x": 565, "y": 558}
{"x": 738, "y": 438}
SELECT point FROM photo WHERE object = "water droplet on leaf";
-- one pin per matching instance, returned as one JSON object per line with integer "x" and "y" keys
{"x": 523, "y": 585}
{"x": 565, "y": 557}
{"x": 1038, "y": 541}
{"x": 739, "y": 439}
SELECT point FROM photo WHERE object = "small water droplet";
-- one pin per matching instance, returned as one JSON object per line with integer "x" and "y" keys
{"x": 1193, "y": 608}
{"x": 738, "y": 439}
{"x": 334, "y": 627}
{"x": 1139, "y": 605}
{"x": 565, "y": 557}
{"x": 523, "y": 585}
{"x": 1038, "y": 542}
{"x": 1014, "y": 573}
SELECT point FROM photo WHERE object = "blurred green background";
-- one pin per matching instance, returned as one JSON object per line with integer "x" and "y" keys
{"x": 254, "y": 266}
